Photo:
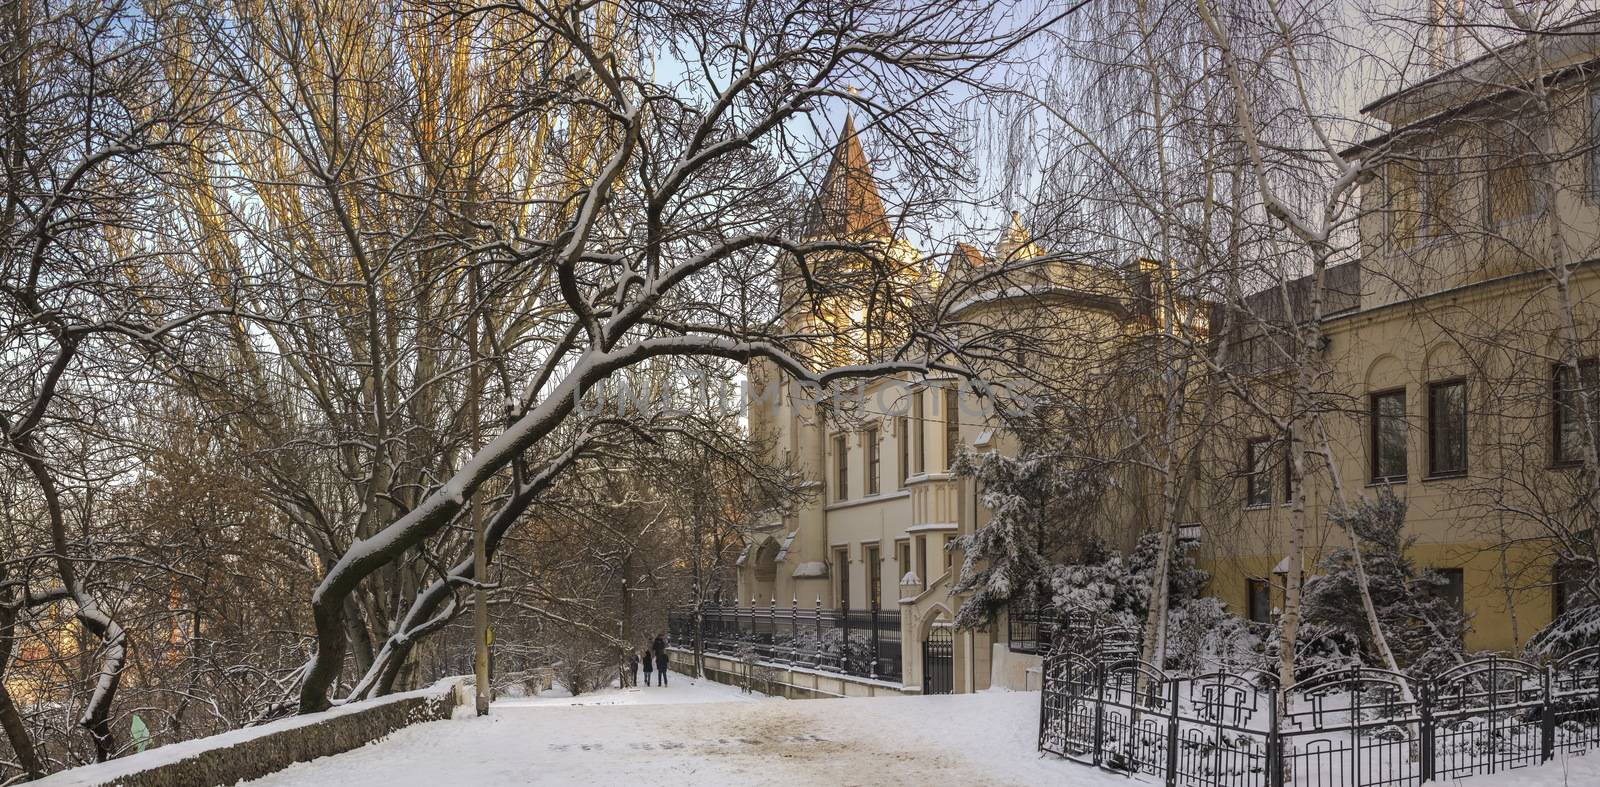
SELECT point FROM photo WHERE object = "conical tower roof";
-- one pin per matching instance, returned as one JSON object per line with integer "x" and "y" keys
{"x": 848, "y": 203}
{"x": 1016, "y": 243}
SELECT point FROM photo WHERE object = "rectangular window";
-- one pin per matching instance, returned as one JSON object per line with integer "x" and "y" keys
{"x": 1447, "y": 428}
{"x": 1566, "y": 590}
{"x": 874, "y": 577}
{"x": 920, "y": 466}
{"x": 1388, "y": 438}
{"x": 1258, "y": 600}
{"x": 1404, "y": 184}
{"x": 1441, "y": 189}
{"x": 1288, "y": 470}
{"x": 902, "y": 559}
{"x": 1258, "y": 475}
{"x": 902, "y": 430}
{"x": 841, "y": 466}
{"x": 841, "y": 566}
{"x": 952, "y": 427}
{"x": 1511, "y": 189}
{"x": 871, "y": 438}
{"x": 1567, "y": 415}
{"x": 1454, "y": 588}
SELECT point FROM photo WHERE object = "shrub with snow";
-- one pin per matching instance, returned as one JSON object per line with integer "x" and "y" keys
{"x": 1423, "y": 626}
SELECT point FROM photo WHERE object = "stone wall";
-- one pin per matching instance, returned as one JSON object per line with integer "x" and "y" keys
{"x": 254, "y": 752}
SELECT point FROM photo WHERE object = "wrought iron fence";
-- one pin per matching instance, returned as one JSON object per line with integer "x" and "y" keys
{"x": 1352, "y": 728}
{"x": 1030, "y": 629}
{"x": 863, "y": 643}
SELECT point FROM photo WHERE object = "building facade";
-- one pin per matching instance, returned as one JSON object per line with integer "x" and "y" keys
{"x": 1458, "y": 369}
{"x": 876, "y": 531}
{"x": 1459, "y": 349}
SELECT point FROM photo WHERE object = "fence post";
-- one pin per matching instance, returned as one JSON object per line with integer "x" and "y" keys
{"x": 1425, "y": 728}
{"x": 1355, "y": 685}
{"x": 1547, "y": 716}
{"x": 1172, "y": 733}
{"x": 794, "y": 624}
{"x": 874, "y": 668}
{"x": 1044, "y": 703}
{"x": 1274, "y": 738}
{"x": 844, "y": 646}
{"x": 1099, "y": 709}
{"x": 772, "y": 626}
{"x": 1494, "y": 696}
{"x": 816, "y": 660}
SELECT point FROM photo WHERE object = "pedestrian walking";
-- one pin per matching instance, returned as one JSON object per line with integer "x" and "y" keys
{"x": 633, "y": 667}
{"x": 660, "y": 648}
{"x": 648, "y": 663}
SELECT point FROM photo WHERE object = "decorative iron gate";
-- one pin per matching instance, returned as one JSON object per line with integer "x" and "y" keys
{"x": 1357, "y": 727}
{"x": 938, "y": 652}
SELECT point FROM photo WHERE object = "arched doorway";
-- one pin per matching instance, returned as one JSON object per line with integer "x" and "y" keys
{"x": 938, "y": 660}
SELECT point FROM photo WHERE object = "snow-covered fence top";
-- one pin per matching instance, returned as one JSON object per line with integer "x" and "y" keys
{"x": 254, "y": 752}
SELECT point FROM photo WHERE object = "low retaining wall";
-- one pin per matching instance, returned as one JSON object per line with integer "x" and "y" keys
{"x": 253, "y": 752}
{"x": 796, "y": 683}
{"x": 1015, "y": 671}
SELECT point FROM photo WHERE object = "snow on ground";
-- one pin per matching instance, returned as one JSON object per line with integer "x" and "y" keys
{"x": 679, "y": 691}
{"x": 702, "y": 733}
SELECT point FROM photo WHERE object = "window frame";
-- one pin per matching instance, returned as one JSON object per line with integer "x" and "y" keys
{"x": 1434, "y": 469}
{"x": 873, "y": 555}
{"x": 902, "y": 558}
{"x": 1373, "y": 434}
{"x": 1558, "y": 410}
{"x": 1393, "y": 212}
{"x": 1494, "y": 151}
{"x": 1565, "y": 585}
{"x": 1460, "y": 585}
{"x": 870, "y": 444}
{"x": 841, "y": 559}
{"x": 952, "y": 426}
{"x": 1257, "y": 472}
{"x": 1251, "y": 586}
{"x": 1288, "y": 470}
{"x": 903, "y": 442}
{"x": 841, "y": 468}
{"x": 918, "y": 433}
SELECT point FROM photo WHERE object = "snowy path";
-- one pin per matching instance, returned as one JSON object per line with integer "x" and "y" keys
{"x": 701, "y": 733}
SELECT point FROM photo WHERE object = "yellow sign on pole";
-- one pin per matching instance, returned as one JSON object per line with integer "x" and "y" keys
{"x": 488, "y": 636}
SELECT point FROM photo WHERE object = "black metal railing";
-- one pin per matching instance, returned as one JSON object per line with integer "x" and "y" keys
{"x": 1350, "y": 728}
{"x": 862, "y": 643}
{"x": 1030, "y": 629}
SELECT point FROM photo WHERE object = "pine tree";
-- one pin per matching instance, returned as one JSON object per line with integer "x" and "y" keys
{"x": 1041, "y": 503}
{"x": 1423, "y": 626}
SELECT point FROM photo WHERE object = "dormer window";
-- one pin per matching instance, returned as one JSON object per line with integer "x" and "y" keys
{"x": 1404, "y": 181}
{"x": 1510, "y": 191}
{"x": 1423, "y": 188}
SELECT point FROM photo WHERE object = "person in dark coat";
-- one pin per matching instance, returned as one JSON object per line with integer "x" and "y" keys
{"x": 660, "y": 648}
{"x": 648, "y": 663}
{"x": 633, "y": 667}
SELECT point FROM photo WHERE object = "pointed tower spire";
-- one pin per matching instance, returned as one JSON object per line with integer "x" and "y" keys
{"x": 1016, "y": 243}
{"x": 848, "y": 203}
